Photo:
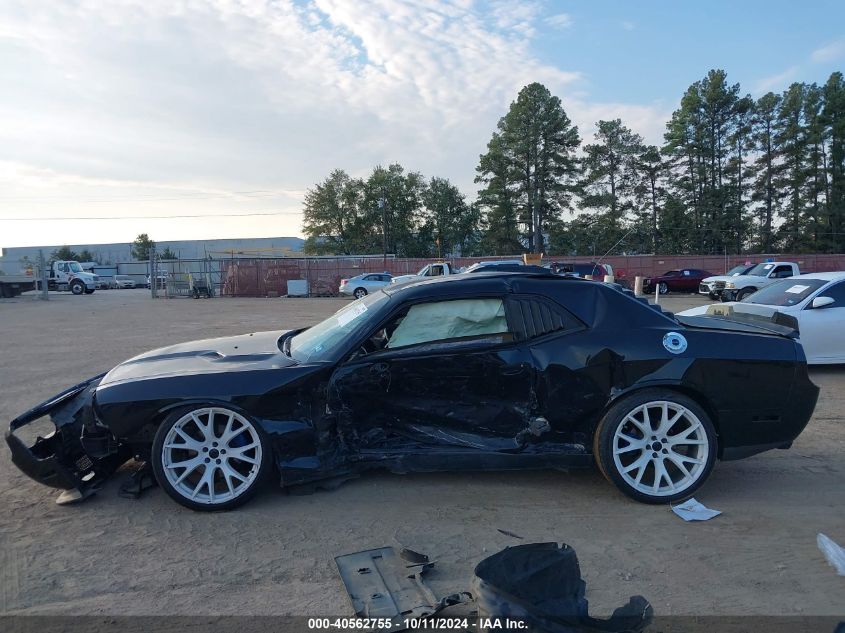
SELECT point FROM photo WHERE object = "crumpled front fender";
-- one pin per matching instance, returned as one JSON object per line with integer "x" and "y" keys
{"x": 60, "y": 460}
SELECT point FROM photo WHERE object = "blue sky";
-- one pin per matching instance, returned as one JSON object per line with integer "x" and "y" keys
{"x": 130, "y": 112}
{"x": 651, "y": 51}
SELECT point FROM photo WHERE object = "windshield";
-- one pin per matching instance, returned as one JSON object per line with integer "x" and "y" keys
{"x": 320, "y": 341}
{"x": 788, "y": 292}
{"x": 75, "y": 267}
{"x": 760, "y": 270}
{"x": 737, "y": 270}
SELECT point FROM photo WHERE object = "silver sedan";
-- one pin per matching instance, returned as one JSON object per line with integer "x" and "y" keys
{"x": 362, "y": 285}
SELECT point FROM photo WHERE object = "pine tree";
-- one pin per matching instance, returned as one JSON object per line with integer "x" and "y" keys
{"x": 535, "y": 150}
{"x": 834, "y": 119}
{"x": 765, "y": 193}
{"x": 791, "y": 165}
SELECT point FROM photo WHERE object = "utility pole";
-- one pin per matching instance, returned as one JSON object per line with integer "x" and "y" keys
{"x": 382, "y": 203}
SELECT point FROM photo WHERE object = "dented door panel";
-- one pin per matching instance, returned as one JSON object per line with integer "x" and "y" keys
{"x": 469, "y": 398}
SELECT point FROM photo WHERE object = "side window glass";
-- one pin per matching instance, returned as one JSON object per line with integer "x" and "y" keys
{"x": 533, "y": 317}
{"x": 436, "y": 271}
{"x": 448, "y": 320}
{"x": 837, "y": 293}
{"x": 781, "y": 272}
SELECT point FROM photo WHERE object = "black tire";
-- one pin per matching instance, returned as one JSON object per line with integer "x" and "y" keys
{"x": 663, "y": 287}
{"x": 359, "y": 293}
{"x": 612, "y": 466}
{"x": 744, "y": 293}
{"x": 77, "y": 287}
{"x": 713, "y": 295}
{"x": 264, "y": 464}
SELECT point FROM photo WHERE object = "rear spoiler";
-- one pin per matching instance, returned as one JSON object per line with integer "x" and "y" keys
{"x": 755, "y": 316}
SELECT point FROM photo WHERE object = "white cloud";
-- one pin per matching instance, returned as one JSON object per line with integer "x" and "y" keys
{"x": 628, "y": 25}
{"x": 829, "y": 53}
{"x": 776, "y": 82}
{"x": 560, "y": 21}
{"x": 135, "y": 99}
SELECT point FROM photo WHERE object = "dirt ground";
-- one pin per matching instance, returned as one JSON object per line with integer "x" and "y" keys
{"x": 111, "y": 555}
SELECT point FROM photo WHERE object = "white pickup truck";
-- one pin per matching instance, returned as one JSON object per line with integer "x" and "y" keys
{"x": 437, "y": 269}
{"x": 740, "y": 286}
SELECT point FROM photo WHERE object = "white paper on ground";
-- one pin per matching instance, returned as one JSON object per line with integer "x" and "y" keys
{"x": 692, "y": 510}
{"x": 834, "y": 554}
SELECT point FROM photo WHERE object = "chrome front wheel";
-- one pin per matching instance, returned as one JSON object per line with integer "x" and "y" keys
{"x": 210, "y": 458}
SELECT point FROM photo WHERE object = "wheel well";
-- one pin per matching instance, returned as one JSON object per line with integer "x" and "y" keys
{"x": 699, "y": 399}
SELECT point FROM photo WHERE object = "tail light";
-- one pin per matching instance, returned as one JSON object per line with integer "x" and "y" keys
{"x": 343, "y": 282}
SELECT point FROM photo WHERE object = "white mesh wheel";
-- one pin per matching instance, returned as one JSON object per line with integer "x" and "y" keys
{"x": 211, "y": 456}
{"x": 660, "y": 448}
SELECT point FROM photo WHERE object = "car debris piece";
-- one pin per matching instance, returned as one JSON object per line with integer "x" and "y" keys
{"x": 506, "y": 533}
{"x": 540, "y": 585}
{"x": 139, "y": 480}
{"x": 692, "y": 510}
{"x": 833, "y": 553}
{"x": 382, "y": 583}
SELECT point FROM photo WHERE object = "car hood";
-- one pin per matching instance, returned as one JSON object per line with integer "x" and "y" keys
{"x": 748, "y": 307}
{"x": 745, "y": 278}
{"x": 402, "y": 278}
{"x": 258, "y": 350}
{"x": 717, "y": 278}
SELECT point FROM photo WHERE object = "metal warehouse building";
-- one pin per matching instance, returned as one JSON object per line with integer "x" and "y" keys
{"x": 108, "y": 254}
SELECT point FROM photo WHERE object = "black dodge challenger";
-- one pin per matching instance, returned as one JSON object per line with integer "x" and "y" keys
{"x": 489, "y": 371}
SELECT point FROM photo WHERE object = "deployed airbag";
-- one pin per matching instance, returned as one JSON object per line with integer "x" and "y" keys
{"x": 443, "y": 320}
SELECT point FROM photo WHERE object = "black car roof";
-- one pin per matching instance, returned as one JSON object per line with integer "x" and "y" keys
{"x": 590, "y": 301}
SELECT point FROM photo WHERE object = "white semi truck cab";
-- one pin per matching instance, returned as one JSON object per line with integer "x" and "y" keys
{"x": 69, "y": 275}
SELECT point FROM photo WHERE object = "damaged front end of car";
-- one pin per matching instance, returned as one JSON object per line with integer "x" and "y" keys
{"x": 78, "y": 455}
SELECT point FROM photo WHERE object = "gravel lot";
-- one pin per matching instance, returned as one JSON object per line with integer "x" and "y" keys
{"x": 111, "y": 555}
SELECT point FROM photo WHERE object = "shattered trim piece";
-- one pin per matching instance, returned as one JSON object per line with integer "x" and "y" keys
{"x": 382, "y": 583}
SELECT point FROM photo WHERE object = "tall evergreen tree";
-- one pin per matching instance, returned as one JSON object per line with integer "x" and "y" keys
{"x": 765, "y": 192}
{"x": 834, "y": 119}
{"x": 609, "y": 178}
{"x": 538, "y": 143}
{"x": 791, "y": 165}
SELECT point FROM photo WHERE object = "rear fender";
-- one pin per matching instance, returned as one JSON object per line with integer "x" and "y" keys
{"x": 672, "y": 385}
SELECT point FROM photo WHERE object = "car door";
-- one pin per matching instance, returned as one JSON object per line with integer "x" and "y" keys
{"x": 451, "y": 374}
{"x": 687, "y": 281}
{"x": 822, "y": 330}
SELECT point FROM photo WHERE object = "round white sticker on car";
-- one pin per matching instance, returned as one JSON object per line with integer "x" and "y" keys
{"x": 675, "y": 342}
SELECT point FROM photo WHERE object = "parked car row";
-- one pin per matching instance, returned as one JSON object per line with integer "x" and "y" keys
{"x": 365, "y": 283}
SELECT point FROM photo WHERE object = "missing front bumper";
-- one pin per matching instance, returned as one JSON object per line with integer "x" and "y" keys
{"x": 60, "y": 460}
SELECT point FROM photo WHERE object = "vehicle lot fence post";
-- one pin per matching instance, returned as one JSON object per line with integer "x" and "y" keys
{"x": 638, "y": 285}
{"x": 153, "y": 273}
{"x": 42, "y": 274}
